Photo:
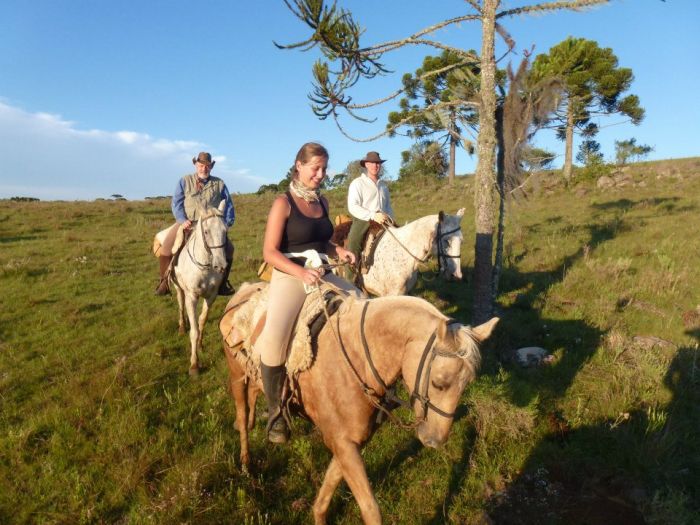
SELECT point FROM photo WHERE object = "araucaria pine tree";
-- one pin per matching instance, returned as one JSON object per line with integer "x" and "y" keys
{"x": 593, "y": 85}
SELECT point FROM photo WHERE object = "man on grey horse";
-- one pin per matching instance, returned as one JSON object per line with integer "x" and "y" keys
{"x": 203, "y": 189}
{"x": 368, "y": 199}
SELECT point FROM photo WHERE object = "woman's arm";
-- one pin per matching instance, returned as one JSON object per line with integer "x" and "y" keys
{"x": 274, "y": 231}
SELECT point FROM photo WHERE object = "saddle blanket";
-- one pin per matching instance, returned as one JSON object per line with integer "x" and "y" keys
{"x": 246, "y": 311}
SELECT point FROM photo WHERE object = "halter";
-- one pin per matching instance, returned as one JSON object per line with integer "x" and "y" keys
{"x": 207, "y": 248}
{"x": 420, "y": 390}
{"x": 442, "y": 255}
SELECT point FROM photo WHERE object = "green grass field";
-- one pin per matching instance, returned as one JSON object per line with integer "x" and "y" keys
{"x": 100, "y": 422}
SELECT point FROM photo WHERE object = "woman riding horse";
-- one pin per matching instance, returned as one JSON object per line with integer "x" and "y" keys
{"x": 298, "y": 221}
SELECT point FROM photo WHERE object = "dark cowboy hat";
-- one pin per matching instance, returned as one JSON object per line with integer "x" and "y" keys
{"x": 372, "y": 156}
{"x": 204, "y": 158}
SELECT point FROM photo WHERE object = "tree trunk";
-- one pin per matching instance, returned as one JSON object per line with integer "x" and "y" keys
{"x": 453, "y": 149}
{"x": 484, "y": 177}
{"x": 568, "y": 155}
{"x": 500, "y": 187}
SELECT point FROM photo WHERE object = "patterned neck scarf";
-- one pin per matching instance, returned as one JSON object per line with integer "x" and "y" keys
{"x": 201, "y": 183}
{"x": 303, "y": 192}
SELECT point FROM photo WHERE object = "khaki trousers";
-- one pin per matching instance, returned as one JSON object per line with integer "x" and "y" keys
{"x": 166, "y": 249}
{"x": 285, "y": 299}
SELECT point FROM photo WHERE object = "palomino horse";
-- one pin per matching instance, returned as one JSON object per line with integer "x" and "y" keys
{"x": 198, "y": 272}
{"x": 400, "y": 251}
{"x": 362, "y": 350}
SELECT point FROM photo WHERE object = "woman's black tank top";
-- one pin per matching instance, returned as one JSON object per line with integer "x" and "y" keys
{"x": 305, "y": 233}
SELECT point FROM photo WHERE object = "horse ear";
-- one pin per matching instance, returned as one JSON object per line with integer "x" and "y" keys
{"x": 483, "y": 331}
{"x": 222, "y": 206}
{"x": 460, "y": 212}
{"x": 441, "y": 216}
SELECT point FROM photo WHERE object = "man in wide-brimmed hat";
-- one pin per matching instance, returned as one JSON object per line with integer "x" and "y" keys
{"x": 368, "y": 199}
{"x": 206, "y": 190}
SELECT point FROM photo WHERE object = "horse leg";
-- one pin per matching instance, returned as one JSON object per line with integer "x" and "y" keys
{"x": 348, "y": 455}
{"x": 203, "y": 320}
{"x": 191, "y": 306}
{"x": 239, "y": 384}
{"x": 181, "y": 322}
{"x": 333, "y": 476}
{"x": 253, "y": 392}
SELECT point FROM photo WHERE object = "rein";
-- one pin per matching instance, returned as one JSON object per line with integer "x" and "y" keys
{"x": 442, "y": 255}
{"x": 422, "y": 261}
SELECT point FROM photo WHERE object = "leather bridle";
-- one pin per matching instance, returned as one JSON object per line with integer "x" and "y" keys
{"x": 441, "y": 254}
{"x": 420, "y": 390}
{"x": 207, "y": 247}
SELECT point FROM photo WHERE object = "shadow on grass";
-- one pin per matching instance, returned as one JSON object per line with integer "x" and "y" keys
{"x": 626, "y": 204}
{"x": 523, "y": 325}
{"x": 643, "y": 465}
{"x": 18, "y": 238}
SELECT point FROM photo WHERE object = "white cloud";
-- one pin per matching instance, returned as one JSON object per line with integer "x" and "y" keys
{"x": 48, "y": 157}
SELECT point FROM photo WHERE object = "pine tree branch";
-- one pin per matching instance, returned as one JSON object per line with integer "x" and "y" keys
{"x": 575, "y": 5}
{"x": 402, "y": 122}
{"x": 388, "y": 46}
{"x": 396, "y": 93}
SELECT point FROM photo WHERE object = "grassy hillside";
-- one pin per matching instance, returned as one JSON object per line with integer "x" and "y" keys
{"x": 100, "y": 423}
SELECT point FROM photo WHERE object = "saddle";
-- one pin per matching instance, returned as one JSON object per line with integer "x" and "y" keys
{"x": 247, "y": 311}
{"x": 369, "y": 241}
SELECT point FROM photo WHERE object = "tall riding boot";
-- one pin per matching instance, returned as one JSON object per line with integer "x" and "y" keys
{"x": 163, "y": 288}
{"x": 225, "y": 287}
{"x": 273, "y": 381}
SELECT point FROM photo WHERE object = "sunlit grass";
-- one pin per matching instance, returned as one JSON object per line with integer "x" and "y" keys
{"x": 100, "y": 423}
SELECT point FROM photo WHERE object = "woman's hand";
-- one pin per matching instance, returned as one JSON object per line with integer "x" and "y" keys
{"x": 187, "y": 224}
{"x": 311, "y": 276}
{"x": 345, "y": 255}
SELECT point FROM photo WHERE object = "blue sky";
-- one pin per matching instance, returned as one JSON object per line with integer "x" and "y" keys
{"x": 100, "y": 97}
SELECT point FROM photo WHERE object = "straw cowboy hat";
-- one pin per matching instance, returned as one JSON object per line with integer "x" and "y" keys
{"x": 372, "y": 156}
{"x": 204, "y": 158}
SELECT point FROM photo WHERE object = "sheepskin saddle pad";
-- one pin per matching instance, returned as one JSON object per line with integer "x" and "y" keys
{"x": 246, "y": 312}
{"x": 159, "y": 239}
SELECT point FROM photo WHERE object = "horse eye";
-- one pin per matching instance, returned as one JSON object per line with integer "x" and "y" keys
{"x": 438, "y": 386}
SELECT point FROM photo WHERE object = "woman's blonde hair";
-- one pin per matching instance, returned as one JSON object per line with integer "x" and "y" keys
{"x": 306, "y": 153}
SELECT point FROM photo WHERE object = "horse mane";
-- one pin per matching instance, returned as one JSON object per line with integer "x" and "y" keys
{"x": 210, "y": 211}
{"x": 452, "y": 337}
{"x": 416, "y": 302}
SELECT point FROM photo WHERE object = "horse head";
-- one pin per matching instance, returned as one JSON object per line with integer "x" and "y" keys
{"x": 448, "y": 363}
{"x": 448, "y": 244}
{"x": 212, "y": 229}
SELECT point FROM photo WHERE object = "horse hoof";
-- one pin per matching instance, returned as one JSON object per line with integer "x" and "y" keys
{"x": 181, "y": 331}
{"x": 194, "y": 371}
